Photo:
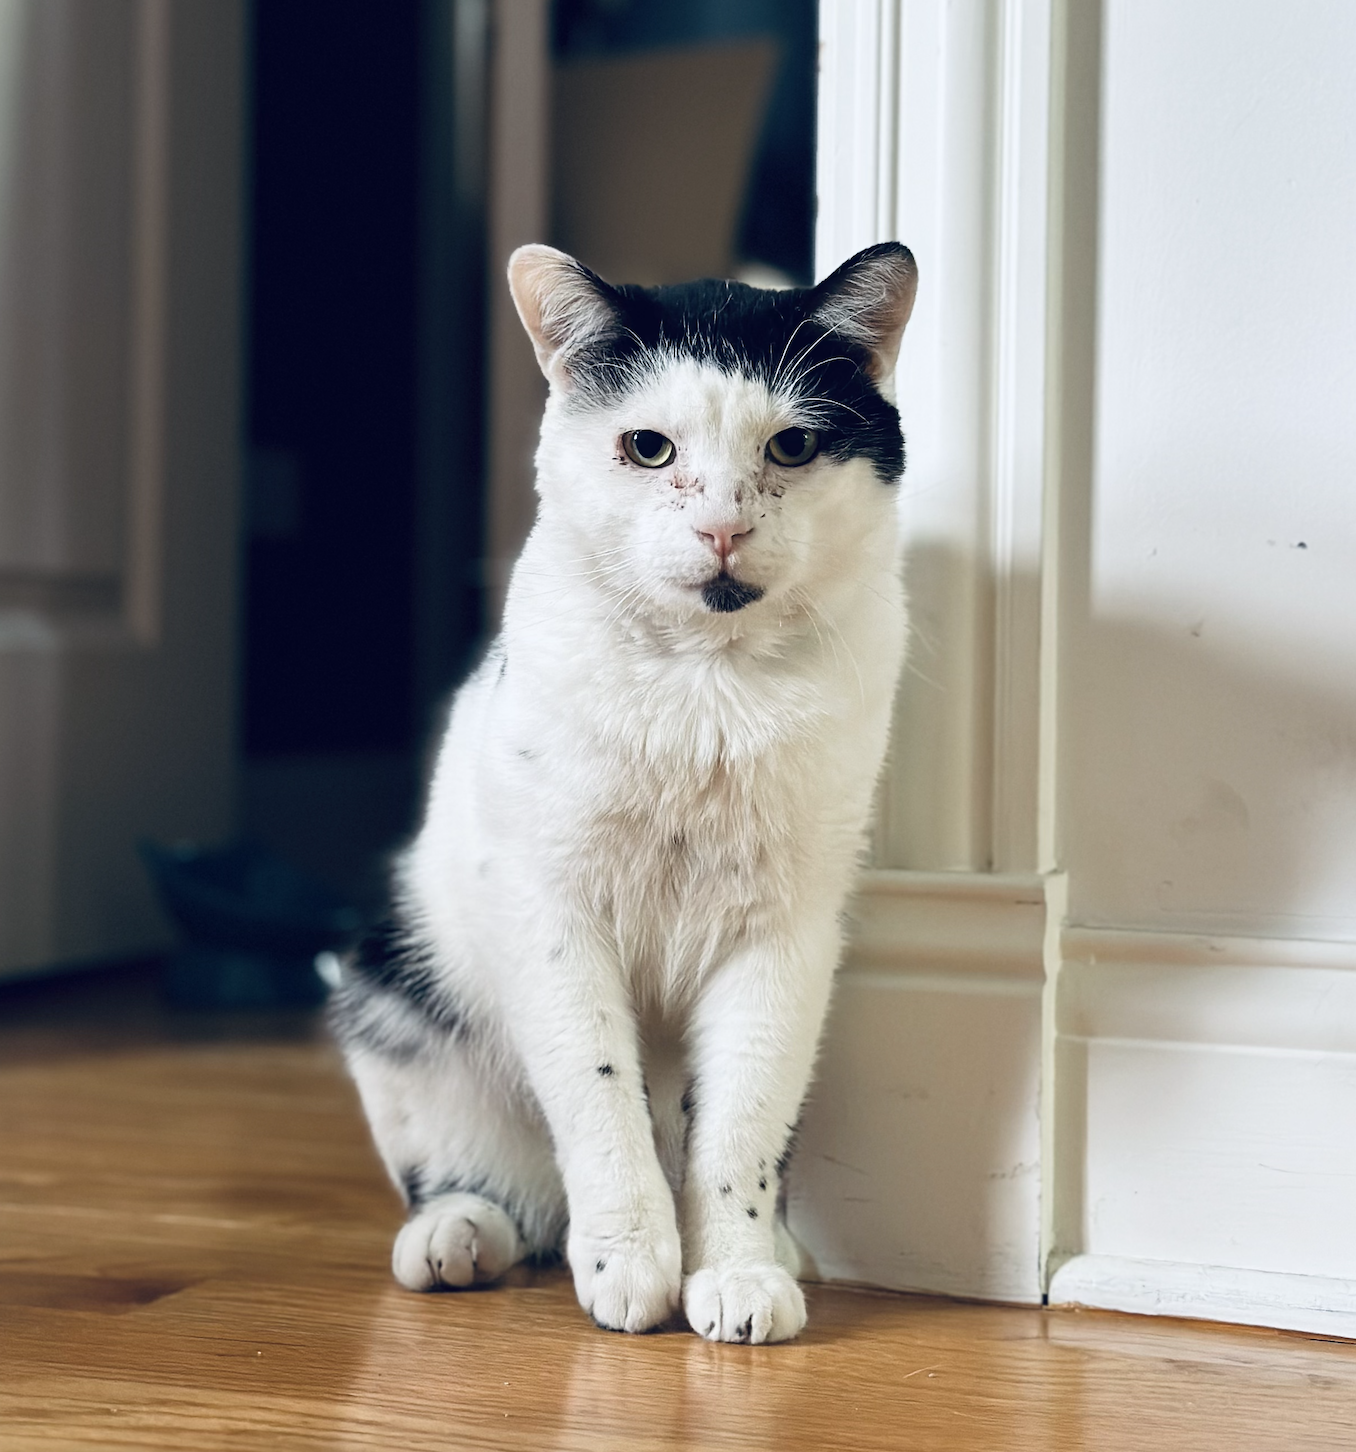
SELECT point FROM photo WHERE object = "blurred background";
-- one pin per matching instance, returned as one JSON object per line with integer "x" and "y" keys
{"x": 266, "y": 415}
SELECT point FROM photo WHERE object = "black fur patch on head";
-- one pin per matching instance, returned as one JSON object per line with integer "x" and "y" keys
{"x": 725, "y": 594}
{"x": 775, "y": 337}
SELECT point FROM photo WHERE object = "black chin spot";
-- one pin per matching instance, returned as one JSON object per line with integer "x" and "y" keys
{"x": 725, "y": 594}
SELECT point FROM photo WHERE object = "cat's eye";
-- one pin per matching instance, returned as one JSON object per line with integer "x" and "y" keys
{"x": 793, "y": 447}
{"x": 648, "y": 449}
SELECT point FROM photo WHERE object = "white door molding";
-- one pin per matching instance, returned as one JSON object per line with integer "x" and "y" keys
{"x": 934, "y": 129}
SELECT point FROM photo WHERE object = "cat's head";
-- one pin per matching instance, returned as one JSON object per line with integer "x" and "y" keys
{"x": 716, "y": 448}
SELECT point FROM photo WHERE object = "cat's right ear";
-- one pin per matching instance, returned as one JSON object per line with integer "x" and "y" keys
{"x": 563, "y": 305}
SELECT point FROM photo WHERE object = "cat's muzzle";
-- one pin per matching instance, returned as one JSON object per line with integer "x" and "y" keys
{"x": 723, "y": 594}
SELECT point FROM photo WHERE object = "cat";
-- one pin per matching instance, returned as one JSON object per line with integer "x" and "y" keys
{"x": 591, "y": 1021}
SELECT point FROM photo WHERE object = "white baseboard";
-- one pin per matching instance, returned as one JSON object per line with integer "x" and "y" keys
{"x": 919, "y": 1159}
{"x": 1317, "y": 1304}
{"x": 1204, "y": 1155}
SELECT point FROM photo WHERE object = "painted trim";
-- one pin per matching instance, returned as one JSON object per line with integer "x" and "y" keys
{"x": 1316, "y": 1304}
{"x": 949, "y": 923}
{"x": 1265, "y": 994}
{"x": 933, "y": 126}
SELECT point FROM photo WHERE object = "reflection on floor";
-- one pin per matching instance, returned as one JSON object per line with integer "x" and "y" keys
{"x": 193, "y": 1254}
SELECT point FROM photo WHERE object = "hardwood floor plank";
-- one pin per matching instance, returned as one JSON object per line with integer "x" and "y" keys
{"x": 194, "y": 1243}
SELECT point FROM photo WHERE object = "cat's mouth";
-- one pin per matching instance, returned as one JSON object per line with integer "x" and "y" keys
{"x": 723, "y": 594}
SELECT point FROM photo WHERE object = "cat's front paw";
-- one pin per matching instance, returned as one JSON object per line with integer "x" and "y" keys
{"x": 454, "y": 1241}
{"x": 627, "y": 1285}
{"x": 751, "y": 1304}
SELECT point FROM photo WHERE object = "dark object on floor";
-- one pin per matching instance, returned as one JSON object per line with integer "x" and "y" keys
{"x": 252, "y": 925}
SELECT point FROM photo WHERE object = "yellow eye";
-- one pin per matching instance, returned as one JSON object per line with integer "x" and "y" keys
{"x": 793, "y": 447}
{"x": 648, "y": 449}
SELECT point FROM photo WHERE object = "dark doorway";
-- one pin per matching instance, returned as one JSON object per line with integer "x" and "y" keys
{"x": 362, "y": 285}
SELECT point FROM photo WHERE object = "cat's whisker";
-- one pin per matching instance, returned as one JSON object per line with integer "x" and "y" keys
{"x": 912, "y": 669}
{"x": 776, "y": 372}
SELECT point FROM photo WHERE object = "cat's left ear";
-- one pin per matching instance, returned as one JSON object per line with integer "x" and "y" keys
{"x": 869, "y": 298}
{"x": 563, "y": 306}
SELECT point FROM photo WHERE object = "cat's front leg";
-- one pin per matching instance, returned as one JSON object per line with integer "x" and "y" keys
{"x": 753, "y": 1042}
{"x": 577, "y": 1035}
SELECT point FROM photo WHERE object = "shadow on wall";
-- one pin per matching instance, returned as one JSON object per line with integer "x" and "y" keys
{"x": 1206, "y": 790}
{"x": 1206, "y": 785}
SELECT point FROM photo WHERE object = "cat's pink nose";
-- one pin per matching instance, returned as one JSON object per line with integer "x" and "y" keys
{"x": 723, "y": 541}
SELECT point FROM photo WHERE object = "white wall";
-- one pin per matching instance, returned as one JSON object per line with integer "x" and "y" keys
{"x": 1209, "y": 773}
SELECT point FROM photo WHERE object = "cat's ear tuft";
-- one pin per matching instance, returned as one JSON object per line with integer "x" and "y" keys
{"x": 563, "y": 305}
{"x": 869, "y": 299}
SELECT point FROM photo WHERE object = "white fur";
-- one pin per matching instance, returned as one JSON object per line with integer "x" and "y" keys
{"x": 642, "y": 827}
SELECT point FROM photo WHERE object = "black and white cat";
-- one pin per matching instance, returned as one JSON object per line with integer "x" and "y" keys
{"x": 593, "y": 1018}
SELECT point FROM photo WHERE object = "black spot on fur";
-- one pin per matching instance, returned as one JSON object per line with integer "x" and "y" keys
{"x": 689, "y": 1100}
{"x": 600, "y": 1267}
{"x": 725, "y": 1189}
{"x": 724, "y": 595}
{"x": 752, "y": 1212}
{"x": 605, "y": 1071}
{"x": 745, "y": 1332}
{"x": 776, "y": 337}
{"x": 762, "y": 1184}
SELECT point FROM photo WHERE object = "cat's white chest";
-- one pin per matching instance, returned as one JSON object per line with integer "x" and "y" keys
{"x": 688, "y": 813}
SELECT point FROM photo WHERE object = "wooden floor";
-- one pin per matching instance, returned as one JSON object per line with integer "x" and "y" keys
{"x": 193, "y": 1254}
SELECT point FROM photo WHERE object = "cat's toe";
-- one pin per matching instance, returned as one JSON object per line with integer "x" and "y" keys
{"x": 631, "y": 1286}
{"x": 455, "y": 1241}
{"x": 750, "y": 1304}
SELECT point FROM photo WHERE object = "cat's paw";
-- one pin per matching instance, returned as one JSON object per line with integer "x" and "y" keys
{"x": 630, "y": 1285}
{"x": 752, "y": 1304}
{"x": 453, "y": 1241}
